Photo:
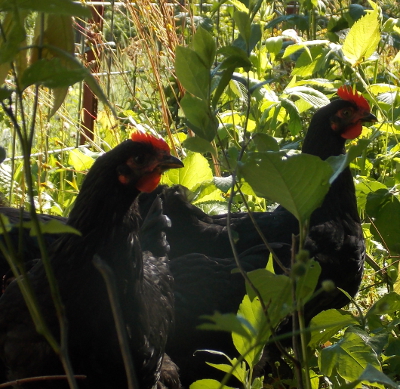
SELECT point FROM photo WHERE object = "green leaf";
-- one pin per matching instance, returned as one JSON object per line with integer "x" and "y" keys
{"x": 201, "y": 120}
{"x": 363, "y": 38}
{"x": 348, "y": 357}
{"x": 294, "y": 123}
{"x": 15, "y": 34}
{"x": 387, "y": 304}
{"x": 52, "y": 74}
{"x": 243, "y": 23}
{"x": 61, "y": 7}
{"x": 51, "y": 227}
{"x": 228, "y": 322}
{"x": 195, "y": 172}
{"x": 276, "y": 292}
{"x": 204, "y": 46}
{"x": 79, "y": 161}
{"x": 312, "y": 96}
{"x": 192, "y": 72}
{"x": 340, "y": 162}
{"x": 327, "y": 323}
{"x": 199, "y": 145}
{"x": 373, "y": 375}
{"x": 208, "y": 384}
{"x": 299, "y": 183}
{"x": 223, "y": 183}
{"x": 384, "y": 207}
{"x": 249, "y": 346}
{"x": 265, "y": 142}
{"x": 239, "y": 372}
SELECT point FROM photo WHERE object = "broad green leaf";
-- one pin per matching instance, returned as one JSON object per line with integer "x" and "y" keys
{"x": 228, "y": 322}
{"x": 303, "y": 46}
{"x": 387, "y": 304}
{"x": 239, "y": 5}
{"x": 79, "y": 161}
{"x": 275, "y": 291}
{"x": 52, "y": 74}
{"x": 57, "y": 32}
{"x": 15, "y": 34}
{"x": 192, "y": 72}
{"x": 243, "y": 23}
{"x": 208, "y": 384}
{"x": 310, "y": 95}
{"x": 348, "y": 357}
{"x": 223, "y": 183}
{"x": 252, "y": 312}
{"x": 199, "y": 145}
{"x": 265, "y": 142}
{"x": 239, "y": 372}
{"x": 204, "y": 46}
{"x": 201, "y": 120}
{"x": 372, "y": 375}
{"x": 192, "y": 175}
{"x": 340, "y": 162}
{"x": 61, "y": 7}
{"x": 327, "y": 323}
{"x": 51, "y": 227}
{"x": 384, "y": 207}
{"x": 294, "y": 122}
{"x": 299, "y": 183}
{"x": 306, "y": 66}
{"x": 363, "y": 38}
{"x": 274, "y": 44}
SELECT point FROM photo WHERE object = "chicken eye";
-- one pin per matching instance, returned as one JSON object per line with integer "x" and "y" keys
{"x": 347, "y": 112}
{"x": 140, "y": 159}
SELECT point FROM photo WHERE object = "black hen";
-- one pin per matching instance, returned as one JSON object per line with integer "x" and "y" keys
{"x": 335, "y": 240}
{"x": 105, "y": 213}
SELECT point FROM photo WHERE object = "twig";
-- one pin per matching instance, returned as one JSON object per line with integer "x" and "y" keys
{"x": 39, "y": 378}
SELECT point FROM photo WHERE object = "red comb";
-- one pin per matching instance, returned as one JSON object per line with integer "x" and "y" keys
{"x": 350, "y": 94}
{"x": 143, "y": 137}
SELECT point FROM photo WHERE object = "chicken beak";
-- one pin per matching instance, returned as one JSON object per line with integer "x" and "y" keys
{"x": 170, "y": 162}
{"x": 369, "y": 117}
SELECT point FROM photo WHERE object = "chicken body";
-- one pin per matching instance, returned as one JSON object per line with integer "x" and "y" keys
{"x": 105, "y": 214}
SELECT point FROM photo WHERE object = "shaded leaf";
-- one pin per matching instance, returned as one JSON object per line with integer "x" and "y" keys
{"x": 192, "y": 72}
{"x": 299, "y": 183}
{"x": 327, "y": 323}
{"x": 198, "y": 145}
{"x": 201, "y": 120}
{"x": 204, "y": 46}
{"x": 348, "y": 357}
{"x": 62, "y": 7}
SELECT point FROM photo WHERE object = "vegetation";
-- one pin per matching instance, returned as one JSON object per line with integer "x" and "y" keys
{"x": 219, "y": 81}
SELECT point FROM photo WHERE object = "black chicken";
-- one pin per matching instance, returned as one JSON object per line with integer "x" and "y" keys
{"x": 105, "y": 213}
{"x": 335, "y": 240}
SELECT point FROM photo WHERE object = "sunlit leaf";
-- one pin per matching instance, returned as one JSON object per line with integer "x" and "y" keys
{"x": 79, "y": 161}
{"x": 363, "y": 38}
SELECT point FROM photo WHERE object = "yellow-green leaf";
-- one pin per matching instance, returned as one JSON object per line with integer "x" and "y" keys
{"x": 363, "y": 38}
{"x": 79, "y": 161}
